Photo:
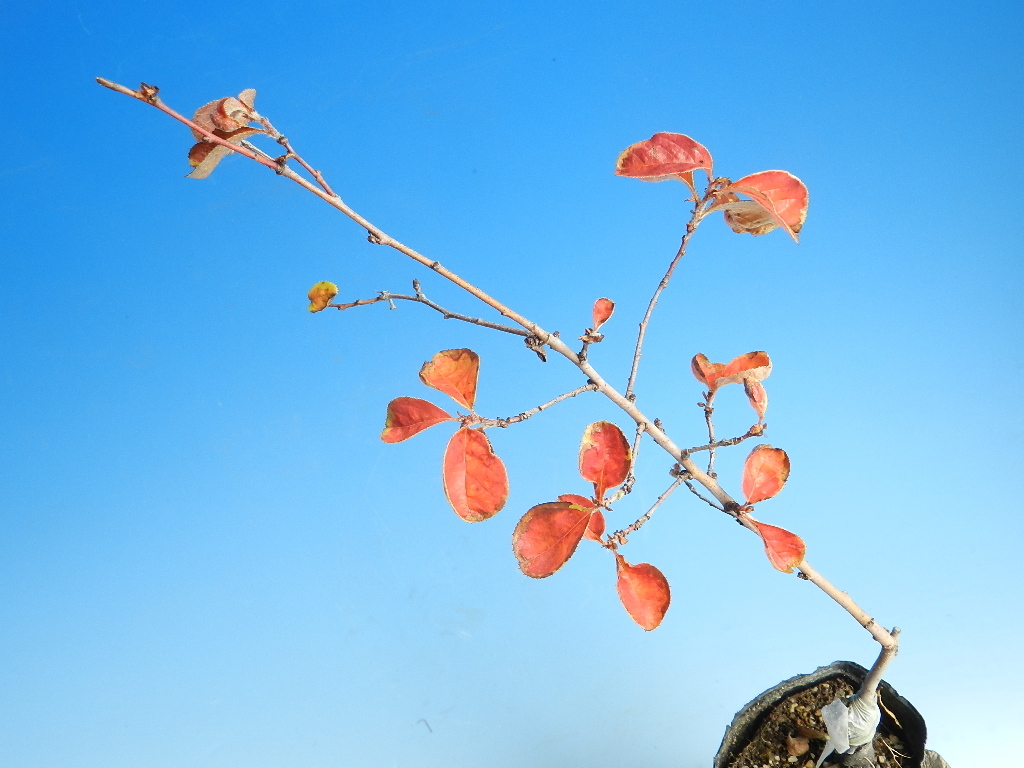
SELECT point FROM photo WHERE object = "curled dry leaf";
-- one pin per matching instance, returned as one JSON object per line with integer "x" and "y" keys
{"x": 797, "y": 745}
{"x": 603, "y": 309}
{"x": 604, "y": 456}
{"x": 664, "y": 156}
{"x": 321, "y": 294}
{"x": 785, "y": 550}
{"x": 751, "y": 366}
{"x": 225, "y": 114}
{"x": 781, "y": 197}
{"x": 644, "y": 592}
{"x": 764, "y": 473}
{"x": 547, "y": 535}
{"x": 454, "y": 372}
{"x": 206, "y": 155}
{"x": 758, "y": 397}
{"x": 408, "y": 416}
{"x": 475, "y": 480}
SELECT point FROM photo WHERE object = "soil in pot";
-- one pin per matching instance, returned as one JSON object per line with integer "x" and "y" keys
{"x": 793, "y": 733}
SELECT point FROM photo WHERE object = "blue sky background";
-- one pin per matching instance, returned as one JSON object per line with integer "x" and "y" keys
{"x": 208, "y": 558}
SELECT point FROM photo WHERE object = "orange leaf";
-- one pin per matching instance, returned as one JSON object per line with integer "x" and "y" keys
{"x": 663, "y": 156}
{"x": 764, "y": 473}
{"x": 408, "y": 416}
{"x": 321, "y": 294}
{"x": 644, "y": 592}
{"x": 595, "y": 528}
{"x": 751, "y": 366}
{"x": 779, "y": 193}
{"x": 785, "y": 550}
{"x": 230, "y": 112}
{"x": 475, "y": 481}
{"x": 604, "y": 456}
{"x": 454, "y": 372}
{"x": 758, "y": 397}
{"x": 603, "y": 309}
{"x": 547, "y": 535}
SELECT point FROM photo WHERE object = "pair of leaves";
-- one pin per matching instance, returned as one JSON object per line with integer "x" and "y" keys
{"x": 764, "y": 474}
{"x": 777, "y": 198}
{"x": 227, "y": 119}
{"x": 475, "y": 480}
{"x": 548, "y": 534}
{"x": 751, "y": 369}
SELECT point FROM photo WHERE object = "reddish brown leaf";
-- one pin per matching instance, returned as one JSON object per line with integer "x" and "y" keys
{"x": 321, "y": 294}
{"x": 758, "y": 397}
{"x": 604, "y": 456}
{"x": 644, "y": 592}
{"x": 454, "y": 372}
{"x": 231, "y": 114}
{"x": 785, "y": 550}
{"x": 547, "y": 535}
{"x": 603, "y": 309}
{"x": 204, "y": 118}
{"x": 475, "y": 481}
{"x": 751, "y": 366}
{"x": 779, "y": 193}
{"x": 664, "y": 156}
{"x": 408, "y": 416}
{"x": 248, "y": 98}
{"x": 595, "y": 528}
{"x": 764, "y": 473}
{"x": 206, "y": 155}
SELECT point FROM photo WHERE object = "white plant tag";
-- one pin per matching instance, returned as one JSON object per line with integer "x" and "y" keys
{"x": 849, "y": 726}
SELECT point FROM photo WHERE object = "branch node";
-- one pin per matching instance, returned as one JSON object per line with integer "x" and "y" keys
{"x": 374, "y": 237}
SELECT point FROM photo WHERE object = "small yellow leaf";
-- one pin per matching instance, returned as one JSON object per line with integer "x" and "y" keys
{"x": 320, "y": 295}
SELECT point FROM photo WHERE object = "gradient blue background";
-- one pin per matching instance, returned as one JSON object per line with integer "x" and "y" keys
{"x": 207, "y": 557}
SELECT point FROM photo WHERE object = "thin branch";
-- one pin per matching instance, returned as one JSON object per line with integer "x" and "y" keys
{"x": 542, "y": 407}
{"x": 702, "y": 497}
{"x": 726, "y": 443}
{"x": 290, "y": 153}
{"x": 541, "y": 337}
{"x": 698, "y": 213}
{"x": 709, "y": 410}
{"x": 627, "y": 485}
{"x": 419, "y": 298}
{"x": 620, "y": 537}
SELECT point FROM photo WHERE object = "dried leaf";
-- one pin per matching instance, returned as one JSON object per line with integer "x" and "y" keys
{"x": 745, "y": 217}
{"x": 408, "y": 416}
{"x": 475, "y": 480}
{"x": 321, "y": 294}
{"x": 231, "y": 114}
{"x": 248, "y": 98}
{"x": 547, "y": 535}
{"x": 204, "y": 118}
{"x": 797, "y": 745}
{"x": 785, "y": 550}
{"x": 454, "y": 372}
{"x": 206, "y": 155}
{"x": 751, "y": 366}
{"x": 780, "y": 194}
{"x": 664, "y": 156}
{"x": 604, "y": 456}
{"x": 595, "y": 528}
{"x": 603, "y": 309}
{"x": 644, "y": 592}
{"x": 758, "y": 397}
{"x": 764, "y": 473}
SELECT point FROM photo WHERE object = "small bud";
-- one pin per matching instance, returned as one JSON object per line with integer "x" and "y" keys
{"x": 320, "y": 295}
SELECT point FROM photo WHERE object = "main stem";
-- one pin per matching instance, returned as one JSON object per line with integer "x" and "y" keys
{"x": 887, "y": 640}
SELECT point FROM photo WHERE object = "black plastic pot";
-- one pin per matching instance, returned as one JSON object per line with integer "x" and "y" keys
{"x": 910, "y": 727}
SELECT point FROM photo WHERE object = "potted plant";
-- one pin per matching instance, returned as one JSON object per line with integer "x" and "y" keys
{"x": 837, "y": 714}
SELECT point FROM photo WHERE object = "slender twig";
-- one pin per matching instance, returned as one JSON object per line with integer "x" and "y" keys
{"x": 541, "y": 338}
{"x": 709, "y": 410}
{"x": 534, "y": 411}
{"x": 421, "y": 299}
{"x": 702, "y": 497}
{"x": 699, "y": 211}
{"x": 290, "y": 153}
{"x": 620, "y": 537}
{"x": 724, "y": 443}
{"x": 627, "y": 485}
